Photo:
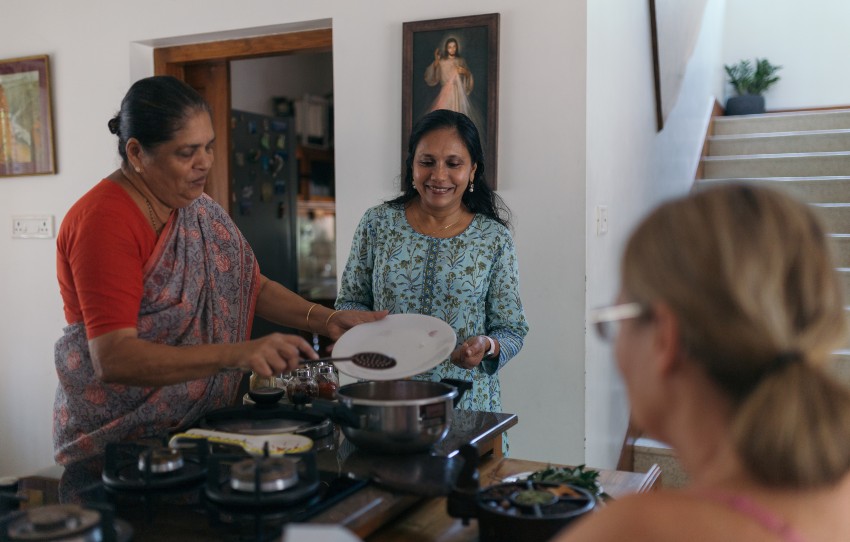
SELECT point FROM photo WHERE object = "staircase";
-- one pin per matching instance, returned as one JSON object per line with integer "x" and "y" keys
{"x": 806, "y": 154}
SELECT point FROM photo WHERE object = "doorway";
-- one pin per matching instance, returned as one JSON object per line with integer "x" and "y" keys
{"x": 227, "y": 74}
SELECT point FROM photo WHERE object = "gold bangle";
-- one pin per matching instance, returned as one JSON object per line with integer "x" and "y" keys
{"x": 328, "y": 321}
{"x": 307, "y": 323}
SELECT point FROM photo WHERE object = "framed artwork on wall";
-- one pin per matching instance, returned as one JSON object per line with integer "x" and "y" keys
{"x": 26, "y": 119}
{"x": 453, "y": 64}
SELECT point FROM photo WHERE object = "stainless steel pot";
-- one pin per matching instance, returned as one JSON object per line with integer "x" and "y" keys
{"x": 396, "y": 416}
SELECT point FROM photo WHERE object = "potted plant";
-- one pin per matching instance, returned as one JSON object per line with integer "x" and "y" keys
{"x": 750, "y": 81}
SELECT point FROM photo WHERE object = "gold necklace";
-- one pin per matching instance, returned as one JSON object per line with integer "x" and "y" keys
{"x": 441, "y": 228}
{"x": 444, "y": 228}
{"x": 153, "y": 216}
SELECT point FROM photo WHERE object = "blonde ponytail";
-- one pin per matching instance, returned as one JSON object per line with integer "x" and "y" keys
{"x": 749, "y": 274}
{"x": 793, "y": 430}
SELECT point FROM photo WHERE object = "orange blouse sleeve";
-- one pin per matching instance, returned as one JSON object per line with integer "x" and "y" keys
{"x": 102, "y": 246}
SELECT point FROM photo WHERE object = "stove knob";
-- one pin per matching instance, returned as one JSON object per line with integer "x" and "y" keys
{"x": 9, "y": 498}
{"x": 9, "y": 484}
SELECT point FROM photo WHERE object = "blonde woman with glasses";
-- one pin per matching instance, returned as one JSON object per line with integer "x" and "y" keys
{"x": 728, "y": 314}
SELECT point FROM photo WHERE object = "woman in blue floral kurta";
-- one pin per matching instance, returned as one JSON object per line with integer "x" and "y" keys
{"x": 443, "y": 249}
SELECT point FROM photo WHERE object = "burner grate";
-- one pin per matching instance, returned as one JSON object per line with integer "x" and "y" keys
{"x": 65, "y": 522}
{"x": 141, "y": 467}
{"x": 227, "y": 484}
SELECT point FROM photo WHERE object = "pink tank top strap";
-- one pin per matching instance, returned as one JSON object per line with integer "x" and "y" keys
{"x": 757, "y": 513}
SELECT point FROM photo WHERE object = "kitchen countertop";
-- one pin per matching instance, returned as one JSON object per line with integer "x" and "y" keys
{"x": 384, "y": 512}
{"x": 376, "y": 504}
{"x": 429, "y": 521}
{"x": 362, "y": 512}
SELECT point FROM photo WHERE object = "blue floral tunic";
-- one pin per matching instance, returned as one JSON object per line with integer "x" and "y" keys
{"x": 470, "y": 281}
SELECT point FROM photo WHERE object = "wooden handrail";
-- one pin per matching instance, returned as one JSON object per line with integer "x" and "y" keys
{"x": 627, "y": 452}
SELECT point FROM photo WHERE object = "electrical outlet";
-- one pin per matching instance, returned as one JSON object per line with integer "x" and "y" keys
{"x": 601, "y": 219}
{"x": 19, "y": 227}
{"x": 32, "y": 227}
{"x": 45, "y": 227}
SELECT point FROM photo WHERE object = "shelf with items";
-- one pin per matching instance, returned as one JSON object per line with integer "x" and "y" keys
{"x": 315, "y": 173}
{"x": 316, "y": 253}
{"x": 316, "y": 250}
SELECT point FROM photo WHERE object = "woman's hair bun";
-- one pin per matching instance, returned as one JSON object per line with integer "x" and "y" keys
{"x": 114, "y": 124}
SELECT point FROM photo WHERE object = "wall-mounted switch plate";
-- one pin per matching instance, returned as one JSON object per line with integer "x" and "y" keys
{"x": 601, "y": 219}
{"x": 32, "y": 227}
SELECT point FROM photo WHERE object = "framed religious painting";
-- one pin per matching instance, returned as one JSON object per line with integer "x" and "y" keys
{"x": 26, "y": 119}
{"x": 453, "y": 64}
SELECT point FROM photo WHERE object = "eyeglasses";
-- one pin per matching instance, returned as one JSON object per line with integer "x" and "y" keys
{"x": 607, "y": 319}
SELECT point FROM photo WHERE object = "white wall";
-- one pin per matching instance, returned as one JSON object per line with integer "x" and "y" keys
{"x": 255, "y": 81}
{"x": 541, "y": 176}
{"x": 630, "y": 168}
{"x": 808, "y": 39}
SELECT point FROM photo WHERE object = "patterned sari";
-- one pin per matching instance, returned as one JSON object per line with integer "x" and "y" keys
{"x": 200, "y": 287}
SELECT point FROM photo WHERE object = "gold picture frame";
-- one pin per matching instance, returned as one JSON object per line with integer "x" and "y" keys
{"x": 26, "y": 117}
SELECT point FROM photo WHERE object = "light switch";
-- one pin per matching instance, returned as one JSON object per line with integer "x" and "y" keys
{"x": 601, "y": 219}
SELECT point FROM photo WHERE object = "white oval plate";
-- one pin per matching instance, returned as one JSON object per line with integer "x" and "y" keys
{"x": 416, "y": 341}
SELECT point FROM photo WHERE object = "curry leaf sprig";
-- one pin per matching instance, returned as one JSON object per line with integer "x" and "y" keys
{"x": 579, "y": 476}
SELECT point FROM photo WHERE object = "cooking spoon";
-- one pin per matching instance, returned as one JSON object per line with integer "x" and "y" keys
{"x": 368, "y": 360}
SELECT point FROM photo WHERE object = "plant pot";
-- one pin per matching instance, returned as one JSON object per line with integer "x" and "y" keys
{"x": 748, "y": 104}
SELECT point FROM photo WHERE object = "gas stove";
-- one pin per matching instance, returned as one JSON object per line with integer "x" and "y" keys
{"x": 193, "y": 491}
{"x": 65, "y": 522}
{"x": 144, "y": 491}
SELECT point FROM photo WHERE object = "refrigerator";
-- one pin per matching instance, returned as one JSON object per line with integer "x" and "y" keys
{"x": 264, "y": 189}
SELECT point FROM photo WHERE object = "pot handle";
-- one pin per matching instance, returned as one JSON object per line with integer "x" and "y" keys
{"x": 462, "y": 387}
{"x": 337, "y": 412}
{"x": 462, "y": 502}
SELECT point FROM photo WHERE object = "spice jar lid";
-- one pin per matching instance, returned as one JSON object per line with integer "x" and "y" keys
{"x": 303, "y": 372}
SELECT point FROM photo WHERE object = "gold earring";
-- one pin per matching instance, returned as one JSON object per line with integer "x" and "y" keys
{"x": 138, "y": 169}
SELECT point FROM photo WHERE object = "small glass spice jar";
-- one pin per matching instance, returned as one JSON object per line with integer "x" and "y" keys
{"x": 257, "y": 381}
{"x": 328, "y": 381}
{"x": 302, "y": 387}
